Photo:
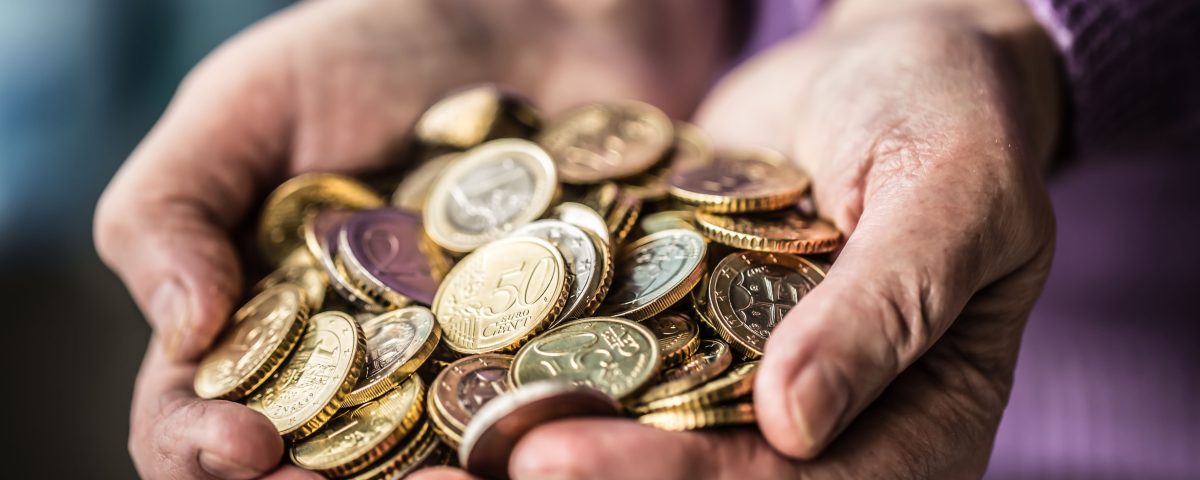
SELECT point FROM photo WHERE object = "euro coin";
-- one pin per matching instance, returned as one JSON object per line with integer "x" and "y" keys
{"x": 613, "y": 355}
{"x": 751, "y": 292}
{"x": 655, "y": 272}
{"x": 707, "y": 417}
{"x": 602, "y": 141}
{"x": 398, "y": 342}
{"x": 386, "y": 253}
{"x": 591, "y": 275}
{"x": 300, "y": 270}
{"x": 741, "y": 180}
{"x": 785, "y": 231}
{"x": 711, "y": 359}
{"x": 413, "y": 191}
{"x": 280, "y": 228}
{"x": 678, "y": 336}
{"x": 735, "y": 384}
{"x": 583, "y": 217}
{"x": 463, "y": 387}
{"x": 476, "y": 114}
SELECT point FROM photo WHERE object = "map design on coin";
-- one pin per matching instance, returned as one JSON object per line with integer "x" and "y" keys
{"x": 613, "y": 355}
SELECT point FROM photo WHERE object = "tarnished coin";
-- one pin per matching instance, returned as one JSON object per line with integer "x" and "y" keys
{"x": 280, "y": 229}
{"x": 668, "y": 219}
{"x": 583, "y": 217}
{"x": 464, "y": 387}
{"x": 623, "y": 217}
{"x": 785, "y": 231}
{"x": 500, "y": 295}
{"x": 416, "y": 452}
{"x": 678, "y": 336}
{"x": 491, "y": 436}
{"x": 414, "y": 189}
{"x": 357, "y": 437}
{"x": 314, "y": 383}
{"x": 707, "y": 417}
{"x": 386, "y": 253}
{"x": 613, "y": 355}
{"x": 300, "y": 270}
{"x": 398, "y": 342}
{"x": 603, "y": 141}
{"x": 710, "y": 360}
{"x": 254, "y": 345}
{"x": 591, "y": 274}
{"x": 475, "y": 114}
{"x": 655, "y": 272}
{"x": 493, "y": 189}
{"x": 751, "y": 292}
{"x": 741, "y": 180}
{"x": 322, "y": 230}
{"x": 735, "y": 384}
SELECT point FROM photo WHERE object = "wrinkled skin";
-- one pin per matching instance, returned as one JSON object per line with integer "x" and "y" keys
{"x": 924, "y": 128}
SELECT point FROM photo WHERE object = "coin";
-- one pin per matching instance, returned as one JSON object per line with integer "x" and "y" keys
{"x": 583, "y": 217}
{"x": 692, "y": 147}
{"x": 300, "y": 270}
{"x": 737, "y": 383}
{"x": 398, "y": 342}
{"x": 655, "y": 272}
{"x": 707, "y": 417}
{"x": 601, "y": 141}
{"x": 464, "y": 387}
{"x": 711, "y": 359}
{"x": 280, "y": 228}
{"x": 385, "y": 251}
{"x": 591, "y": 275}
{"x": 678, "y": 336}
{"x": 500, "y": 295}
{"x": 741, "y": 180}
{"x": 413, "y": 191}
{"x": 666, "y": 220}
{"x": 623, "y": 216}
{"x": 314, "y": 383}
{"x": 475, "y": 114}
{"x": 493, "y": 189}
{"x": 613, "y": 355}
{"x": 491, "y": 436}
{"x": 321, "y": 232}
{"x": 785, "y": 231}
{"x": 751, "y": 292}
{"x": 357, "y": 437}
{"x": 413, "y": 453}
{"x": 254, "y": 345}
{"x": 599, "y": 197}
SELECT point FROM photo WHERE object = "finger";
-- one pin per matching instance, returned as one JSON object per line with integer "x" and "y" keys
{"x": 604, "y": 449}
{"x": 440, "y": 473}
{"x": 291, "y": 472}
{"x": 173, "y": 434}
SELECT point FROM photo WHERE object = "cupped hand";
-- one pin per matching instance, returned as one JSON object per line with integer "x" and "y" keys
{"x": 334, "y": 86}
{"x": 925, "y": 132}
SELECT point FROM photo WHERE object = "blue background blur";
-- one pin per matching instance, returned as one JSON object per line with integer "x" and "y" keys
{"x": 80, "y": 83}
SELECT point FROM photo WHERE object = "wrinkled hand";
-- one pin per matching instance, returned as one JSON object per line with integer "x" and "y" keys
{"x": 924, "y": 132}
{"x": 333, "y": 86}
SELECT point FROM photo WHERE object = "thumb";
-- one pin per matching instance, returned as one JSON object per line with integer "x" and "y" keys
{"x": 163, "y": 222}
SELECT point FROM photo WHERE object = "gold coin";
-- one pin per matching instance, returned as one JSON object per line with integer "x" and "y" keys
{"x": 300, "y": 270}
{"x": 693, "y": 148}
{"x": 406, "y": 457}
{"x": 738, "y": 383}
{"x": 612, "y": 355}
{"x": 398, "y": 342}
{"x": 493, "y": 189}
{"x": 254, "y": 345}
{"x": 500, "y": 295}
{"x": 786, "y": 231}
{"x": 413, "y": 191}
{"x": 741, "y": 180}
{"x": 583, "y": 217}
{"x": 589, "y": 273}
{"x": 314, "y": 383}
{"x": 599, "y": 197}
{"x": 751, "y": 292}
{"x": 623, "y": 216}
{"x": 602, "y": 141}
{"x": 678, "y": 336}
{"x": 666, "y": 220}
{"x": 475, "y": 114}
{"x": 280, "y": 228}
{"x": 710, "y": 360}
{"x": 655, "y": 272}
{"x": 707, "y": 417}
{"x": 355, "y": 438}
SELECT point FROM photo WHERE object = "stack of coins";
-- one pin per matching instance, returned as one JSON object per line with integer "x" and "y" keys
{"x": 610, "y": 262}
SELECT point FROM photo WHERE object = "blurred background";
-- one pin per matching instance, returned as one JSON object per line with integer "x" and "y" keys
{"x": 82, "y": 82}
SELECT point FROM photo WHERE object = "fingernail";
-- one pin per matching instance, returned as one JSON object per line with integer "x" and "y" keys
{"x": 223, "y": 468}
{"x": 817, "y": 402}
{"x": 169, "y": 312}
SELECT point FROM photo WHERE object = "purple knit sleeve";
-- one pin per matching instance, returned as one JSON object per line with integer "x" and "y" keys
{"x": 1132, "y": 69}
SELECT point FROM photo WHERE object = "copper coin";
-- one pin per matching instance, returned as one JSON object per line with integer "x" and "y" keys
{"x": 491, "y": 436}
{"x": 785, "y": 231}
{"x": 751, "y": 292}
{"x": 387, "y": 252}
{"x": 465, "y": 386}
{"x": 603, "y": 141}
{"x": 678, "y": 336}
{"x": 741, "y": 180}
{"x": 711, "y": 359}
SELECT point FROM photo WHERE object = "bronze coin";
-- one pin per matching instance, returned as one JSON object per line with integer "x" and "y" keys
{"x": 785, "y": 231}
{"x": 741, "y": 180}
{"x": 465, "y": 386}
{"x": 751, "y": 292}
{"x": 678, "y": 336}
{"x": 603, "y": 141}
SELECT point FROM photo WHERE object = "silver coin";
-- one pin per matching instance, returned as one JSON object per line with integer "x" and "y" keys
{"x": 581, "y": 256}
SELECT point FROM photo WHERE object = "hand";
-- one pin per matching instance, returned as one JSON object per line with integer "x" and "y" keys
{"x": 924, "y": 132}
{"x": 334, "y": 86}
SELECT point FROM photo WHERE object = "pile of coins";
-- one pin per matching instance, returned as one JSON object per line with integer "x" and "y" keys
{"x": 609, "y": 263}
